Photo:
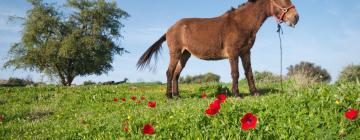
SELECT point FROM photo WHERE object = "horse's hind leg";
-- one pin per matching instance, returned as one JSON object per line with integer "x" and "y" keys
{"x": 179, "y": 67}
{"x": 174, "y": 59}
{"x": 234, "y": 63}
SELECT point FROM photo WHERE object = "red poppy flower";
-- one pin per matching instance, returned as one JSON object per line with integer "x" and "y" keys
{"x": 152, "y": 104}
{"x": 214, "y": 108}
{"x": 203, "y": 95}
{"x": 2, "y": 118}
{"x": 217, "y": 101}
{"x": 351, "y": 114}
{"x": 123, "y": 99}
{"x": 133, "y": 98}
{"x": 116, "y": 99}
{"x": 148, "y": 129}
{"x": 248, "y": 121}
{"x": 211, "y": 111}
{"x": 138, "y": 101}
{"x": 215, "y": 105}
{"x": 222, "y": 97}
{"x": 142, "y": 97}
{"x": 126, "y": 126}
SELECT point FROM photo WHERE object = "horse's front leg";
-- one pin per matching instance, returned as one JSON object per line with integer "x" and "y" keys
{"x": 234, "y": 63}
{"x": 245, "y": 58}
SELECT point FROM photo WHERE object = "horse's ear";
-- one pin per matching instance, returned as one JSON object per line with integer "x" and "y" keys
{"x": 251, "y": 0}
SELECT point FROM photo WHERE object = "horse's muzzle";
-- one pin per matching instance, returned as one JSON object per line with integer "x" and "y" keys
{"x": 292, "y": 18}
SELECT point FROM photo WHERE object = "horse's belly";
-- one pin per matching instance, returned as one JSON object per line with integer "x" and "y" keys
{"x": 208, "y": 54}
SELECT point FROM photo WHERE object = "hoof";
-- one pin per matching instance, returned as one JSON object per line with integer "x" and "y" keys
{"x": 169, "y": 96}
{"x": 236, "y": 94}
{"x": 256, "y": 94}
{"x": 177, "y": 96}
{"x": 238, "y": 98}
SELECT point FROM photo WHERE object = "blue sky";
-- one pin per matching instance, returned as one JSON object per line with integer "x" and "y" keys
{"x": 327, "y": 34}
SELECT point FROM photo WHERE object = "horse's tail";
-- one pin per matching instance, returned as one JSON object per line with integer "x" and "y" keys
{"x": 145, "y": 59}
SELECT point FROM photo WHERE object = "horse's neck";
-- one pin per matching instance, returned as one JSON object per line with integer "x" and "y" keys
{"x": 252, "y": 14}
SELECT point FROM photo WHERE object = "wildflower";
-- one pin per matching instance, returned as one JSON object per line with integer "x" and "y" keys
{"x": 123, "y": 99}
{"x": 2, "y": 118}
{"x": 142, "y": 97}
{"x": 248, "y": 121}
{"x": 152, "y": 104}
{"x": 337, "y": 101}
{"x": 126, "y": 126}
{"x": 203, "y": 95}
{"x": 211, "y": 111}
{"x": 222, "y": 97}
{"x": 133, "y": 98}
{"x": 214, "y": 108}
{"x": 116, "y": 99}
{"x": 148, "y": 129}
{"x": 215, "y": 105}
{"x": 351, "y": 114}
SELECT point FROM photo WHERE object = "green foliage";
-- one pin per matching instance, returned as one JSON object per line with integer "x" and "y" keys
{"x": 307, "y": 73}
{"x": 213, "y": 89}
{"x": 208, "y": 77}
{"x": 89, "y": 112}
{"x": 68, "y": 45}
{"x": 350, "y": 73}
{"x": 18, "y": 82}
{"x": 266, "y": 77}
{"x": 89, "y": 82}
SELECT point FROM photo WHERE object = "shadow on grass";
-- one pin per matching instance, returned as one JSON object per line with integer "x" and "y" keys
{"x": 263, "y": 92}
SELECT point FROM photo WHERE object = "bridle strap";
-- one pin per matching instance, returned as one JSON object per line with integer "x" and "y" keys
{"x": 284, "y": 10}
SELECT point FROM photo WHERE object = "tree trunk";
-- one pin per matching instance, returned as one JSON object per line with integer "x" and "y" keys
{"x": 62, "y": 79}
{"x": 69, "y": 80}
{"x": 66, "y": 80}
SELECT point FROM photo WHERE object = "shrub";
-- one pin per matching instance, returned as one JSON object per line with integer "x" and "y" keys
{"x": 13, "y": 82}
{"x": 350, "y": 73}
{"x": 89, "y": 82}
{"x": 307, "y": 73}
{"x": 208, "y": 77}
{"x": 266, "y": 77}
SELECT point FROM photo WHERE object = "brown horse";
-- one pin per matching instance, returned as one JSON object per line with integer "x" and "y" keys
{"x": 228, "y": 36}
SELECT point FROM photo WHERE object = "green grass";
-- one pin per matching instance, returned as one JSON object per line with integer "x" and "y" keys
{"x": 89, "y": 112}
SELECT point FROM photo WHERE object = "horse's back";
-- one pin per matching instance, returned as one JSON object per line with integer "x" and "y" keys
{"x": 202, "y": 37}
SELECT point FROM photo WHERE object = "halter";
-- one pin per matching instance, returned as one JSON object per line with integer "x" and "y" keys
{"x": 284, "y": 10}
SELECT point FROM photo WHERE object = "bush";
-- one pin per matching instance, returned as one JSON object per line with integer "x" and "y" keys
{"x": 308, "y": 73}
{"x": 350, "y": 73}
{"x": 89, "y": 82}
{"x": 266, "y": 77}
{"x": 208, "y": 77}
{"x": 14, "y": 82}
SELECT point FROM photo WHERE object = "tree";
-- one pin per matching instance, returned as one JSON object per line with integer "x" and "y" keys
{"x": 308, "y": 72}
{"x": 350, "y": 73}
{"x": 80, "y": 43}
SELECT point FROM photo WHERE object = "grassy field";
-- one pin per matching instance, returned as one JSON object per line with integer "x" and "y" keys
{"x": 89, "y": 112}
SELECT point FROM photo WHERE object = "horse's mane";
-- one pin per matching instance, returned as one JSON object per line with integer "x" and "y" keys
{"x": 232, "y": 9}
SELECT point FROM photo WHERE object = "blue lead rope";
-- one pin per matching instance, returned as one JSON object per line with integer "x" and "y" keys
{"x": 280, "y": 32}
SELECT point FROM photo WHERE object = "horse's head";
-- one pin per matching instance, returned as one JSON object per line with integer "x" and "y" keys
{"x": 284, "y": 11}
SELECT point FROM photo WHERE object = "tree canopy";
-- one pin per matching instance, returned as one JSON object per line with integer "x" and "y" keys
{"x": 79, "y": 42}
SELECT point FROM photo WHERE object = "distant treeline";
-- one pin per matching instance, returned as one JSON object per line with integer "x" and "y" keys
{"x": 208, "y": 77}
